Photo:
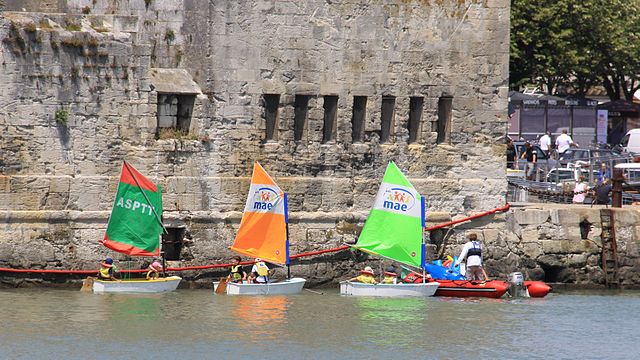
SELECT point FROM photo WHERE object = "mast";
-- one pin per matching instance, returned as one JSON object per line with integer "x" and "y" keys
{"x": 286, "y": 221}
{"x": 423, "y": 260}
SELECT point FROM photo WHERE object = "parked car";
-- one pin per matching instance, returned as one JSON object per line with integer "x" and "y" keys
{"x": 545, "y": 162}
{"x": 519, "y": 145}
{"x": 563, "y": 175}
{"x": 582, "y": 157}
{"x": 630, "y": 143}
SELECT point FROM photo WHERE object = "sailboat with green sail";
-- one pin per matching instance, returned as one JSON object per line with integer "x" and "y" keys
{"x": 394, "y": 230}
{"x": 134, "y": 229}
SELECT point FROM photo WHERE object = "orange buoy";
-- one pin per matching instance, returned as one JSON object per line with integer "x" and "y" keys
{"x": 537, "y": 288}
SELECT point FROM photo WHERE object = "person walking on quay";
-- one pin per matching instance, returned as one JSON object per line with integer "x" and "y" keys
{"x": 579, "y": 191}
{"x": 563, "y": 142}
{"x": 472, "y": 251}
{"x": 511, "y": 154}
{"x": 545, "y": 143}
{"x": 532, "y": 158}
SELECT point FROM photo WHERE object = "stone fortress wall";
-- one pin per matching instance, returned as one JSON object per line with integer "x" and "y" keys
{"x": 84, "y": 82}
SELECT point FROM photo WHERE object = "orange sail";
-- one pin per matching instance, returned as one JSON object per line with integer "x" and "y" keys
{"x": 262, "y": 232}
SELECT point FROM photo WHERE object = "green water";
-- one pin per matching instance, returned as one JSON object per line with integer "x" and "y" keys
{"x": 196, "y": 324}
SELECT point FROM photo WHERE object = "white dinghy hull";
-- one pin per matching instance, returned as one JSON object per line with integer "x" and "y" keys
{"x": 137, "y": 286}
{"x": 285, "y": 287}
{"x": 391, "y": 290}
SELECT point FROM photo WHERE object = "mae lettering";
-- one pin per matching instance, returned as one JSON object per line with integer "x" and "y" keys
{"x": 394, "y": 206}
{"x": 258, "y": 205}
{"x": 135, "y": 205}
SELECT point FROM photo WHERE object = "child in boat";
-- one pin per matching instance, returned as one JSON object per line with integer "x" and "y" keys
{"x": 366, "y": 276}
{"x": 259, "y": 272}
{"x": 237, "y": 274}
{"x": 390, "y": 276}
{"x": 107, "y": 270}
{"x": 154, "y": 270}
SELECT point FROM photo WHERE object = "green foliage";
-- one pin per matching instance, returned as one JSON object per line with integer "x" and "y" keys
{"x": 173, "y": 133}
{"x": 30, "y": 27}
{"x": 576, "y": 45}
{"x": 71, "y": 24}
{"x": 169, "y": 36}
{"x": 62, "y": 116}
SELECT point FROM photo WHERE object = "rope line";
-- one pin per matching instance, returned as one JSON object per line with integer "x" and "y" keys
{"x": 215, "y": 266}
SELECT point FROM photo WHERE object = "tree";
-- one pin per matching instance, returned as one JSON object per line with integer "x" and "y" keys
{"x": 577, "y": 45}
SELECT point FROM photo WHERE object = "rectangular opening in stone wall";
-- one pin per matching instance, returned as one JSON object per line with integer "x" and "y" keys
{"x": 415, "y": 118}
{"x": 300, "y": 111}
{"x": 358, "y": 118}
{"x": 172, "y": 243}
{"x": 270, "y": 104}
{"x": 330, "y": 118}
{"x": 174, "y": 114}
{"x": 444, "y": 119}
{"x": 386, "y": 118}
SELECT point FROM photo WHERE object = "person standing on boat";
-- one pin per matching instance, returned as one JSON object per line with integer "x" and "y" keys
{"x": 107, "y": 270}
{"x": 390, "y": 276}
{"x": 154, "y": 270}
{"x": 259, "y": 272}
{"x": 237, "y": 275}
{"x": 472, "y": 251}
{"x": 367, "y": 276}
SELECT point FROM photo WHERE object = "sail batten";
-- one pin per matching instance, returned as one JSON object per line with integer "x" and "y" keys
{"x": 135, "y": 225}
{"x": 262, "y": 232}
{"x": 393, "y": 228}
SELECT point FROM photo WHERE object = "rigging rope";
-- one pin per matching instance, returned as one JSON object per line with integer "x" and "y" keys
{"x": 214, "y": 266}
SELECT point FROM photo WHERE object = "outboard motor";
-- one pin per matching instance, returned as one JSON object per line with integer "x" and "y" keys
{"x": 516, "y": 285}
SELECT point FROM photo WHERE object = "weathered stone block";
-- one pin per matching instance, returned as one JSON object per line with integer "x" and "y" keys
{"x": 531, "y": 216}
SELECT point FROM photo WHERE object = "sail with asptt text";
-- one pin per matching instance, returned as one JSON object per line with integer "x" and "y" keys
{"x": 263, "y": 230}
{"x": 135, "y": 224}
{"x": 394, "y": 226}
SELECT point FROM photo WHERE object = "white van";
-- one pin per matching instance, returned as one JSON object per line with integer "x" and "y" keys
{"x": 631, "y": 141}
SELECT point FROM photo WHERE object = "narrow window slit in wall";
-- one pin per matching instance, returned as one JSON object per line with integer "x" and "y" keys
{"x": 358, "y": 118}
{"x": 386, "y": 117}
{"x": 444, "y": 119}
{"x": 300, "y": 110}
{"x": 330, "y": 119}
{"x": 415, "y": 118}
{"x": 271, "y": 103}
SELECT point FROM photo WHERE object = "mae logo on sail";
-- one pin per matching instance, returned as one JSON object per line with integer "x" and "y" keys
{"x": 265, "y": 199}
{"x": 398, "y": 199}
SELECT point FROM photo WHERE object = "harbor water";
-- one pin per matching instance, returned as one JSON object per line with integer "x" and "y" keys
{"x": 196, "y": 324}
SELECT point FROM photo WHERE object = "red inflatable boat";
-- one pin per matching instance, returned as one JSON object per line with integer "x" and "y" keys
{"x": 466, "y": 288}
{"x": 489, "y": 289}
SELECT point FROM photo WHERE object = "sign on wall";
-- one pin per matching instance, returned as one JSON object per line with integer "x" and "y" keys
{"x": 601, "y": 126}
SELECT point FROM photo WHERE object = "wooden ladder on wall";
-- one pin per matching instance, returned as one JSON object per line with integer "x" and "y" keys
{"x": 609, "y": 254}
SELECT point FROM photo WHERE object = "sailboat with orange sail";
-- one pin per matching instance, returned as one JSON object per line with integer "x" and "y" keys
{"x": 263, "y": 234}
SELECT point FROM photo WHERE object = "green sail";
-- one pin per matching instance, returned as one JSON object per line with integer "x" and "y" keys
{"x": 394, "y": 226}
{"x": 134, "y": 226}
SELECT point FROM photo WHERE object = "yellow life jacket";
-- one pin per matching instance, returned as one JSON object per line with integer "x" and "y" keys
{"x": 235, "y": 272}
{"x": 105, "y": 273}
{"x": 388, "y": 279}
{"x": 366, "y": 279}
{"x": 262, "y": 269}
{"x": 152, "y": 274}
